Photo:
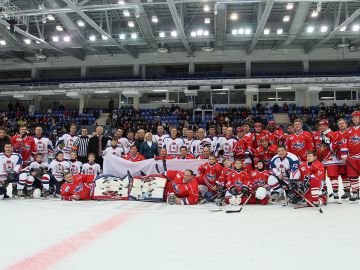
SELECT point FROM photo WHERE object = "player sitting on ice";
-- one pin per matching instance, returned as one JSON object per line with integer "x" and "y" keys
{"x": 284, "y": 167}
{"x": 312, "y": 180}
{"x": 208, "y": 179}
{"x": 235, "y": 183}
{"x": 181, "y": 188}
{"x": 91, "y": 167}
{"x": 258, "y": 186}
{"x": 77, "y": 187}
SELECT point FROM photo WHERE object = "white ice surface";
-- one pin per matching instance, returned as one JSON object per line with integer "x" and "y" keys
{"x": 160, "y": 236}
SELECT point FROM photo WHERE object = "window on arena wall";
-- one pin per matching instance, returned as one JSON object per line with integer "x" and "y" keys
{"x": 152, "y": 97}
{"x": 267, "y": 96}
{"x": 220, "y": 97}
{"x": 237, "y": 97}
{"x": 183, "y": 98}
{"x": 327, "y": 95}
{"x": 203, "y": 97}
{"x": 286, "y": 96}
{"x": 127, "y": 100}
{"x": 173, "y": 97}
{"x": 343, "y": 95}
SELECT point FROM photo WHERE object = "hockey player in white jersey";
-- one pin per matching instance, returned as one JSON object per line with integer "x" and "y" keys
{"x": 75, "y": 165}
{"x": 160, "y": 136}
{"x": 225, "y": 146}
{"x": 91, "y": 167}
{"x": 283, "y": 167}
{"x": 188, "y": 140}
{"x": 173, "y": 143}
{"x": 43, "y": 145}
{"x": 200, "y": 142}
{"x": 10, "y": 164}
{"x": 57, "y": 168}
{"x": 66, "y": 142}
{"x": 114, "y": 148}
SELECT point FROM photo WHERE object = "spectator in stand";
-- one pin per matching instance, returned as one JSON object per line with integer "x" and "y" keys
{"x": 149, "y": 148}
{"x": 4, "y": 139}
{"x": 111, "y": 105}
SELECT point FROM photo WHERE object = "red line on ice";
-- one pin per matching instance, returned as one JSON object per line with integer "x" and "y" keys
{"x": 50, "y": 256}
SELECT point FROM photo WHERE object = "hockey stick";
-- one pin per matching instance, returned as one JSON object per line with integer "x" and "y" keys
{"x": 241, "y": 207}
{"x": 310, "y": 203}
{"x": 352, "y": 167}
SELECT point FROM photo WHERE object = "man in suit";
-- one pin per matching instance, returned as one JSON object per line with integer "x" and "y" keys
{"x": 97, "y": 145}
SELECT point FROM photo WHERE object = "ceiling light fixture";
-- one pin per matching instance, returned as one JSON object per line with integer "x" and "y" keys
{"x": 266, "y": 31}
{"x": 121, "y": 2}
{"x": 51, "y": 17}
{"x": 104, "y": 37}
{"x": 314, "y": 14}
{"x": 3, "y": 42}
{"x": 92, "y": 38}
{"x": 59, "y": 28}
{"x": 27, "y": 41}
{"x": 310, "y": 29}
{"x": 67, "y": 39}
{"x": 234, "y": 32}
{"x": 342, "y": 29}
{"x": 162, "y": 34}
{"x": 241, "y": 31}
{"x": 173, "y": 33}
{"x": 133, "y": 35}
{"x": 80, "y": 23}
{"x": 247, "y": 31}
{"x": 199, "y": 32}
{"x": 207, "y": 20}
{"x": 206, "y": 33}
{"x": 55, "y": 38}
{"x": 206, "y": 8}
{"x": 154, "y": 19}
{"x": 131, "y": 24}
{"x": 356, "y": 27}
{"x": 193, "y": 34}
{"x": 323, "y": 29}
{"x": 126, "y": 13}
{"x": 122, "y": 36}
{"x": 286, "y": 18}
{"x": 289, "y": 6}
{"x": 234, "y": 16}
{"x": 279, "y": 31}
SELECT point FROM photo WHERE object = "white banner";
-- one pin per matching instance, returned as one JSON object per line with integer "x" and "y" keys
{"x": 118, "y": 166}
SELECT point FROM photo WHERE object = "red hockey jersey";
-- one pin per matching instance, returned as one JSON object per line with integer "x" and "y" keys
{"x": 25, "y": 146}
{"x": 341, "y": 139}
{"x": 277, "y": 137}
{"x": 314, "y": 171}
{"x": 299, "y": 144}
{"x": 265, "y": 154}
{"x": 351, "y": 143}
{"x": 236, "y": 178}
{"x": 326, "y": 145}
{"x": 187, "y": 192}
{"x": 257, "y": 137}
{"x": 209, "y": 174}
{"x": 258, "y": 178}
{"x": 81, "y": 186}
{"x": 137, "y": 158}
{"x": 188, "y": 156}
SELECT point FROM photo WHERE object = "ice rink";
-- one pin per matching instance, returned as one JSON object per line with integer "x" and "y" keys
{"x": 53, "y": 234}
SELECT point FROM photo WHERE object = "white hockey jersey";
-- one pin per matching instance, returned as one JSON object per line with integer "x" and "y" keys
{"x": 9, "y": 163}
{"x": 228, "y": 145}
{"x": 68, "y": 141}
{"x": 93, "y": 169}
{"x": 197, "y": 146}
{"x": 160, "y": 140}
{"x": 58, "y": 168}
{"x": 173, "y": 146}
{"x": 44, "y": 146}
{"x": 188, "y": 143}
{"x": 117, "y": 151}
{"x": 37, "y": 165}
{"x": 75, "y": 167}
{"x": 287, "y": 167}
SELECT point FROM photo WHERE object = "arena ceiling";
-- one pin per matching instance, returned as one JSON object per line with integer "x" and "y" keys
{"x": 45, "y": 28}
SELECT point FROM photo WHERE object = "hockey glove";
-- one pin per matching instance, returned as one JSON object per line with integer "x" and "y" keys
{"x": 325, "y": 140}
{"x": 245, "y": 191}
{"x": 171, "y": 199}
{"x": 233, "y": 191}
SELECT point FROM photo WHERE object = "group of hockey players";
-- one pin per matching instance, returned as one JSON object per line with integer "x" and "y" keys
{"x": 258, "y": 165}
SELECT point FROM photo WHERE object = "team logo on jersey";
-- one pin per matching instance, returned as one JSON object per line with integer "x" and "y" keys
{"x": 79, "y": 188}
{"x": 303, "y": 169}
{"x": 210, "y": 177}
{"x": 298, "y": 145}
{"x": 253, "y": 174}
{"x": 355, "y": 139}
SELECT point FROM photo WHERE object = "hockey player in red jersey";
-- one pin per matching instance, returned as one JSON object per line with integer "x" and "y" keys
{"x": 326, "y": 145}
{"x": 350, "y": 151}
{"x": 209, "y": 178}
{"x": 243, "y": 149}
{"x": 258, "y": 134}
{"x": 182, "y": 187}
{"x": 24, "y": 145}
{"x": 257, "y": 185}
{"x": 76, "y": 187}
{"x": 234, "y": 181}
{"x": 342, "y": 125}
{"x": 312, "y": 179}
{"x": 300, "y": 142}
{"x": 184, "y": 154}
{"x": 277, "y": 136}
{"x": 133, "y": 155}
{"x": 265, "y": 152}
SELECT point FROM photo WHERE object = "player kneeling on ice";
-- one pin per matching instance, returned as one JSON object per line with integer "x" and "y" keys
{"x": 235, "y": 184}
{"x": 36, "y": 184}
{"x": 258, "y": 186}
{"x": 77, "y": 187}
{"x": 181, "y": 188}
